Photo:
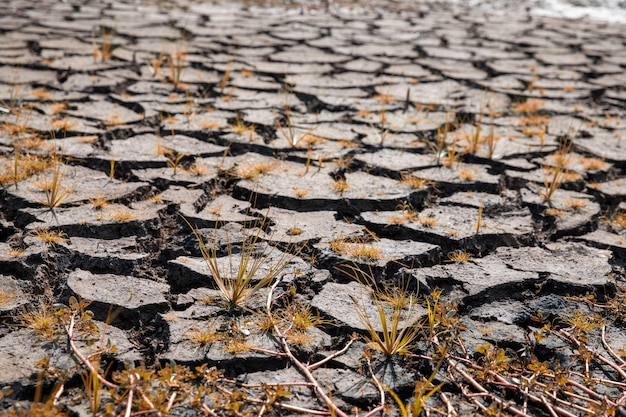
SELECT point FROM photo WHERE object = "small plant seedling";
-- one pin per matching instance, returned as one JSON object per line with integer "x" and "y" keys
{"x": 253, "y": 171}
{"x": 300, "y": 192}
{"x": 53, "y": 185}
{"x": 393, "y": 307}
{"x": 176, "y": 63}
{"x": 396, "y": 337}
{"x": 555, "y": 175}
{"x": 358, "y": 248}
{"x": 122, "y": 216}
{"x": 414, "y": 181}
{"x": 224, "y": 79}
{"x": 424, "y": 389}
{"x": 452, "y": 154}
{"x": 459, "y": 256}
{"x": 198, "y": 169}
{"x": 438, "y": 147}
{"x": 243, "y": 278}
{"x": 14, "y": 172}
{"x": 111, "y": 169}
{"x": 64, "y": 124}
{"x": 407, "y": 216}
{"x": 50, "y": 236}
{"x": 105, "y": 52}
{"x": 204, "y": 335}
{"x": 575, "y": 203}
{"x": 429, "y": 221}
{"x": 287, "y": 128}
{"x": 466, "y": 174}
{"x": 479, "y": 218}
{"x": 155, "y": 64}
{"x": 6, "y": 296}
{"x": 174, "y": 161}
{"x": 619, "y": 219}
{"x": 554, "y": 212}
{"x": 340, "y": 186}
{"x": 99, "y": 202}
{"x": 240, "y": 128}
{"x": 294, "y": 231}
{"x": 42, "y": 320}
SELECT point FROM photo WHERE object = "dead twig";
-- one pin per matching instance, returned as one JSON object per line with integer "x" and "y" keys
{"x": 302, "y": 367}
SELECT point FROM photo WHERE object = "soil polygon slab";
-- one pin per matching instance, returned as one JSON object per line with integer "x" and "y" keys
{"x": 24, "y": 350}
{"x": 556, "y": 58}
{"x": 458, "y": 223}
{"x": 78, "y": 147}
{"x": 150, "y": 148}
{"x": 364, "y": 191}
{"x": 499, "y": 335}
{"x": 505, "y": 83}
{"x": 181, "y": 349}
{"x": 17, "y": 264}
{"x": 59, "y": 126}
{"x": 118, "y": 290}
{"x": 366, "y": 65}
{"x": 183, "y": 124}
{"x": 609, "y": 145}
{"x": 291, "y": 226}
{"x": 380, "y": 253}
{"x": 300, "y": 35}
{"x": 463, "y": 176}
{"x": 359, "y": 390}
{"x": 513, "y": 66}
{"x": 81, "y": 184}
{"x": 118, "y": 255}
{"x": 570, "y": 263}
{"x": 574, "y": 162}
{"x": 602, "y": 239}
{"x": 241, "y": 100}
{"x": 196, "y": 271}
{"x": 106, "y": 113}
{"x": 11, "y": 75}
{"x": 334, "y": 131}
{"x": 510, "y": 271}
{"x": 575, "y": 211}
{"x": 218, "y": 355}
{"x": 181, "y": 176}
{"x": 222, "y": 209}
{"x": 428, "y": 93}
{"x": 254, "y": 82}
{"x": 290, "y": 67}
{"x": 340, "y": 301}
{"x": 370, "y": 51}
{"x": 114, "y": 221}
{"x": 300, "y": 396}
{"x": 13, "y": 295}
{"x": 396, "y": 161}
{"x": 490, "y": 202}
{"x": 615, "y": 189}
{"x": 454, "y": 69}
{"x": 389, "y": 122}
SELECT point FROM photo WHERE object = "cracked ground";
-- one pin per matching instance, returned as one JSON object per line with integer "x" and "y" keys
{"x": 474, "y": 159}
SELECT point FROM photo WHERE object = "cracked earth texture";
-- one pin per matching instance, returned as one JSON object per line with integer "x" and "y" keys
{"x": 479, "y": 153}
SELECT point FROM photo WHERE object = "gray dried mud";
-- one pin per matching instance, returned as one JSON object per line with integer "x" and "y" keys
{"x": 370, "y": 90}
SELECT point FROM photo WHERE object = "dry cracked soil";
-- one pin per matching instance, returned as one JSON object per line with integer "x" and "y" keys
{"x": 465, "y": 164}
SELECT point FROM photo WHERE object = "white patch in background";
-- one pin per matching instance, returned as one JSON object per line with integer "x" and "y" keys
{"x": 613, "y": 11}
{"x": 606, "y": 10}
